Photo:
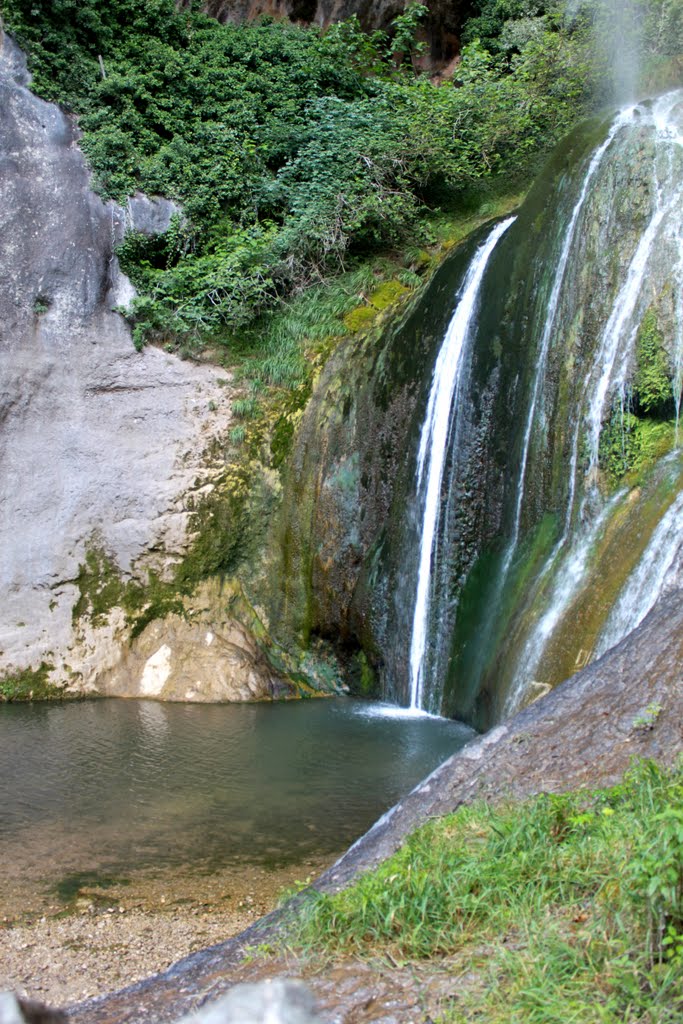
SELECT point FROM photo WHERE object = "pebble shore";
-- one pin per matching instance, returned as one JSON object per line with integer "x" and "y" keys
{"x": 108, "y": 938}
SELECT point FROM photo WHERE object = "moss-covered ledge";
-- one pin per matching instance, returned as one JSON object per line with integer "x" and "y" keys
{"x": 30, "y": 684}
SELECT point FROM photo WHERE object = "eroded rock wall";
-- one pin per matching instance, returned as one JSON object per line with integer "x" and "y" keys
{"x": 102, "y": 448}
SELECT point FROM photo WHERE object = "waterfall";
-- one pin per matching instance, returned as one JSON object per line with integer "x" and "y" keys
{"x": 550, "y": 318}
{"x": 660, "y": 567}
{"x": 605, "y": 381}
{"x": 442, "y": 405}
{"x": 543, "y": 488}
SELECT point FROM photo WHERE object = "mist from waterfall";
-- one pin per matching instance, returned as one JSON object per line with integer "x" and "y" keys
{"x": 618, "y": 31}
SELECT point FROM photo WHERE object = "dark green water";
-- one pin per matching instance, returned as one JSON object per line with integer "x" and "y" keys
{"x": 119, "y": 785}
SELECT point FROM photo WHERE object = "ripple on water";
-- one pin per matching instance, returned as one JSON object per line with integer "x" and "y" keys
{"x": 120, "y": 786}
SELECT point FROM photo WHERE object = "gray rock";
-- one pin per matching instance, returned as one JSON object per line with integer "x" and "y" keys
{"x": 99, "y": 444}
{"x": 14, "y": 1010}
{"x": 276, "y": 1001}
{"x": 149, "y": 215}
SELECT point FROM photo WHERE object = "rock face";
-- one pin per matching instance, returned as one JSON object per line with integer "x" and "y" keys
{"x": 101, "y": 447}
{"x": 441, "y": 28}
{"x": 203, "y": 656}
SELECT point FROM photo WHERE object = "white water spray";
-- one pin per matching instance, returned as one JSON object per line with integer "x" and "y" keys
{"x": 624, "y": 118}
{"x": 431, "y": 460}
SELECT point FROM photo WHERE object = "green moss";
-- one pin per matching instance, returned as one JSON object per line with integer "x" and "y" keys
{"x": 100, "y": 585}
{"x": 219, "y": 523}
{"x": 388, "y": 294}
{"x": 363, "y": 680}
{"x": 281, "y": 441}
{"x": 360, "y": 318}
{"x": 102, "y": 588}
{"x": 287, "y": 413}
{"x": 652, "y": 390}
{"x": 28, "y": 685}
{"x": 629, "y": 444}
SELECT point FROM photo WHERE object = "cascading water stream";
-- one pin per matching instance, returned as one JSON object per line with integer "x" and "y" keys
{"x": 551, "y": 315}
{"x": 661, "y": 566}
{"x": 611, "y": 362}
{"x": 443, "y": 400}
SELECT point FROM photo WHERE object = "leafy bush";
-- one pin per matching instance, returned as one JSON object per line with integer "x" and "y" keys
{"x": 291, "y": 152}
{"x": 652, "y": 386}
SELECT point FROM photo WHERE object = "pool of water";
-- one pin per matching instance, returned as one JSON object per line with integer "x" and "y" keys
{"x": 114, "y": 785}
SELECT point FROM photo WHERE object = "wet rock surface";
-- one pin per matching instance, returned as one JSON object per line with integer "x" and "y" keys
{"x": 584, "y": 733}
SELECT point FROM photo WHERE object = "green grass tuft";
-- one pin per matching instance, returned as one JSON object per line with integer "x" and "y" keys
{"x": 567, "y": 908}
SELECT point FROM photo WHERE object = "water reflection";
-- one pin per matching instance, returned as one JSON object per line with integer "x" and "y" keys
{"x": 124, "y": 784}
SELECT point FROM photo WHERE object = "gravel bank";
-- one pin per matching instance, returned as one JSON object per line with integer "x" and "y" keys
{"x": 105, "y": 937}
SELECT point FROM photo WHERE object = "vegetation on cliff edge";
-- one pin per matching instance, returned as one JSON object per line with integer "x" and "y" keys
{"x": 293, "y": 153}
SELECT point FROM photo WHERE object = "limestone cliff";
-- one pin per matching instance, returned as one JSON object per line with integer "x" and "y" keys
{"x": 104, "y": 451}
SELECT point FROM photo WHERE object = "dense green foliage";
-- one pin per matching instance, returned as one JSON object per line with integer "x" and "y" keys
{"x": 642, "y": 426}
{"x": 294, "y": 153}
{"x": 291, "y": 152}
{"x": 568, "y": 907}
{"x": 505, "y": 26}
{"x": 652, "y": 384}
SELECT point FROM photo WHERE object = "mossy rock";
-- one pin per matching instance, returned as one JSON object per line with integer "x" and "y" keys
{"x": 360, "y": 318}
{"x": 102, "y": 588}
{"x": 28, "y": 685}
{"x": 388, "y": 294}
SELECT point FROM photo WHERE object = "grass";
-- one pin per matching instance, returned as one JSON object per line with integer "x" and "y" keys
{"x": 280, "y": 349}
{"x": 568, "y": 908}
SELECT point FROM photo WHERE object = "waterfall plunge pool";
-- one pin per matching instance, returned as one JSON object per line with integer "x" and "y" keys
{"x": 115, "y": 788}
